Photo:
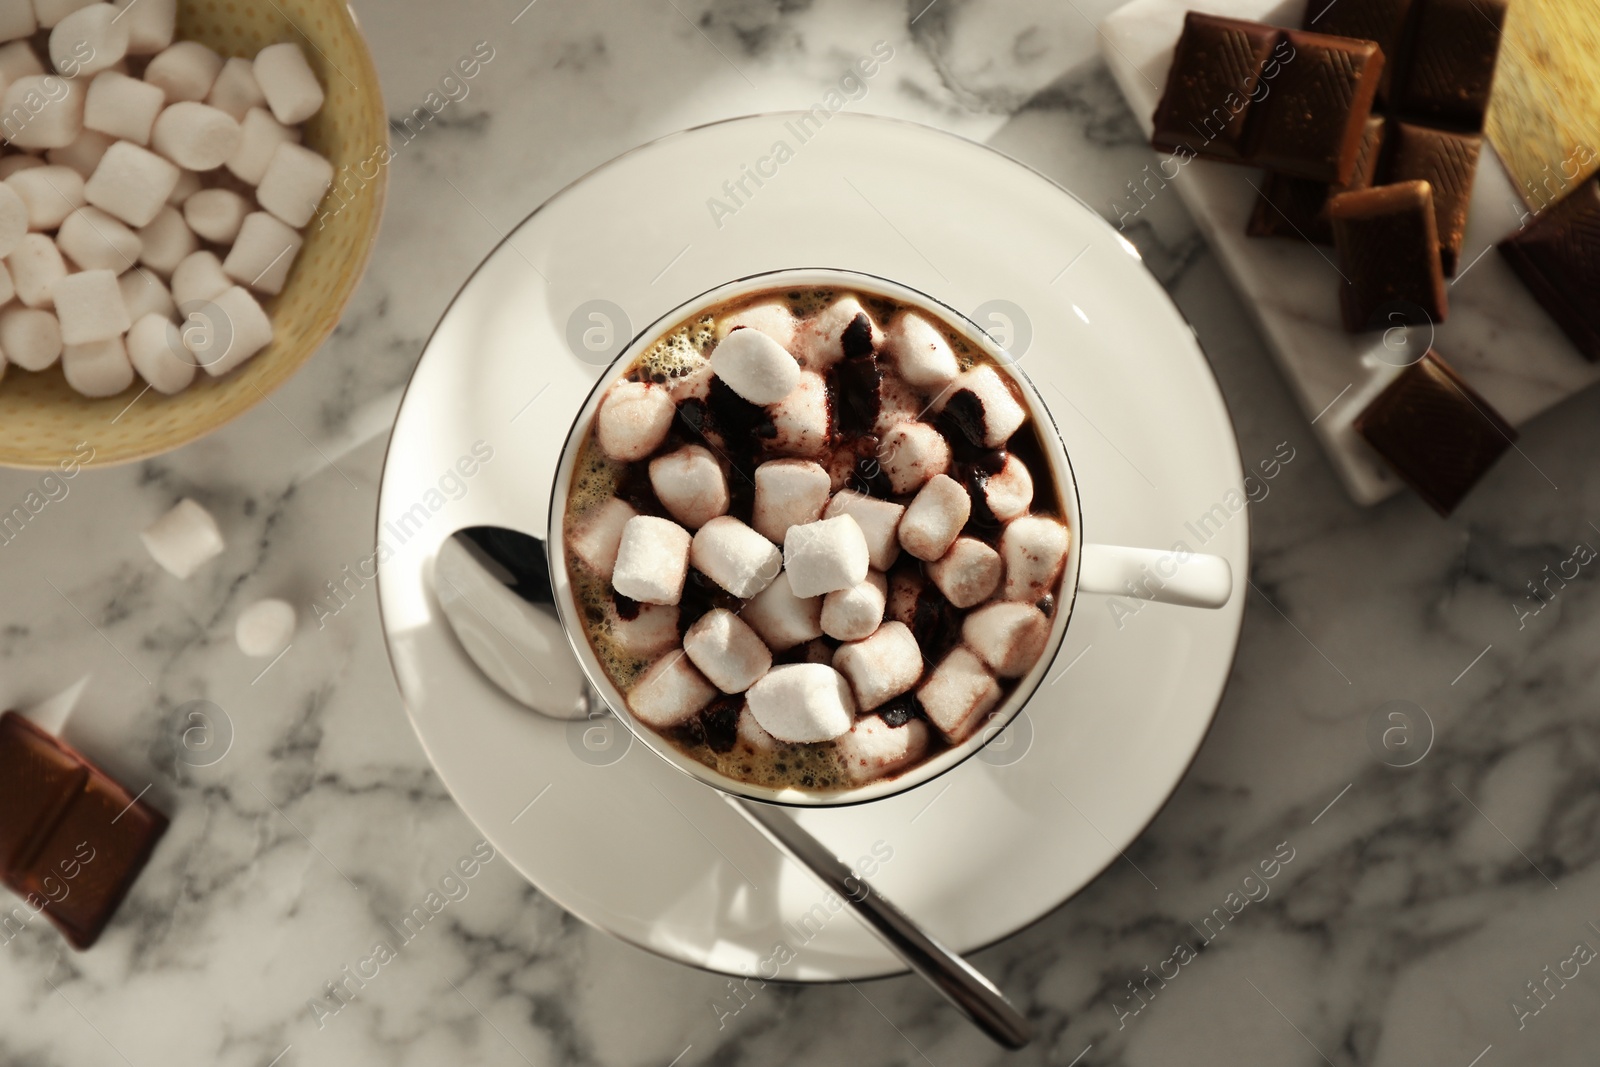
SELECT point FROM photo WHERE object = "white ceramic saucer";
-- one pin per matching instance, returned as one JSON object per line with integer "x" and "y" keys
{"x": 612, "y": 832}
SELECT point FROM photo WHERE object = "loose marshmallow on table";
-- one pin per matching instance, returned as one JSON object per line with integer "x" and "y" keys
{"x": 144, "y": 294}
{"x": 934, "y": 518}
{"x": 90, "y": 308}
{"x": 690, "y": 485}
{"x": 122, "y": 107}
{"x": 802, "y": 702}
{"x": 12, "y": 164}
{"x": 185, "y": 71}
{"x": 800, "y": 421}
{"x": 17, "y": 19}
{"x": 88, "y": 41}
{"x": 1008, "y": 636}
{"x": 652, "y": 560}
{"x": 881, "y": 666}
{"x": 216, "y": 214}
{"x": 735, "y": 556}
{"x": 789, "y": 492}
{"x": 1009, "y": 492}
{"x": 825, "y": 555}
{"x": 959, "y": 694}
{"x": 30, "y": 337}
{"x": 262, "y": 253}
{"x": 755, "y": 366}
{"x": 95, "y": 241}
{"x": 156, "y": 351}
{"x": 821, "y": 340}
{"x": 782, "y": 619}
{"x": 183, "y": 539}
{"x": 968, "y": 573}
{"x": 1034, "y": 549}
{"x": 294, "y": 183}
{"x": 13, "y": 219}
{"x": 290, "y": 86}
{"x": 195, "y": 136}
{"x": 259, "y": 137}
{"x": 771, "y": 317}
{"x": 166, "y": 241}
{"x": 36, "y": 265}
{"x": 50, "y": 108}
{"x": 879, "y": 520}
{"x": 873, "y": 749}
{"x": 633, "y": 419}
{"x": 265, "y": 628}
{"x": 670, "y": 692}
{"x": 651, "y": 632}
{"x": 727, "y": 651}
{"x": 83, "y": 153}
{"x": 151, "y": 24}
{"x": 198, "y": 278}
{"x": 49, "y": 193}
{"x": 51, "y": 12}
{"x": 854, "y": 613}
{"x": 920, "y": 352}
{"x": 236, "y": 90}
{"x": 595, "y": 535}
{"x": 989, "y": 410}
{"x": 911, "y": 453}
{"x": 232, "y": 330}
{"x": 131, "y": 183}
{"x": 752, "y": 734}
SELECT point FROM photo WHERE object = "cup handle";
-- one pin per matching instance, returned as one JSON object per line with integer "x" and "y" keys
{"x": 1167, "y": 577}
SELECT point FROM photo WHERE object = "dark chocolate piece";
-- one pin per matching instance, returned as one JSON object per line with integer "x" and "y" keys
{"x": 73, "y": 840}
{"x": 1557, "y": 256}
{"x": 1449, "y": 68}
{"x": 1217, "y": 68}
{"x": 1437, "y": 434}
{"x": 1389, "y": 257}
{"x": 1448, "y": 162}
{"x": 1382, "y": 22}
{"x": 1311, "y": 120}
{"x": 1297, "y": 207}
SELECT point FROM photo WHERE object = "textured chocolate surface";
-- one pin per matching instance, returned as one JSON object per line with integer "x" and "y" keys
{"x": 1448, "y": 162}
{"x": 1311, "y": 122}
{"x": 1384, "y": 22}
{"x": 1450, "y": 62}
{"x": 1389, "y": 256}
{"x": 1216, "y": 67}
{"x": 1557, "y": 256}
{"x": 1297, "y": 207}
{"x": 1437, "y": 434}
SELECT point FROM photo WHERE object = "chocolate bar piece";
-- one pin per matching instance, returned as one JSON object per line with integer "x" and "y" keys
{"x": 1437, "y": 434}
{"x": 1450, "y": 67}
{"x": 1389, "y": 257}
{"x": 1311, "y": 121}
{"x": 1381, "y": 21}
{"x": 1557, "y": 256}
{"x": 1448, "y": 162}
{"x": 1297, "y": 207}
{"x": 1216, "y": 69}
{"x": 72, "y": 841}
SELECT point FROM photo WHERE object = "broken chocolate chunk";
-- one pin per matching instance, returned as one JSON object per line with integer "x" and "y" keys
{"x": 1216, "y": 71}
{"x": 1311, "y": 121}
{"x": 1448, "y": 162}
{"x": 1298, "y": 207}
{"x": 1557, "y": 256}
{"x": 1449, "y": 69}
{"x": 1382, "y": 22}
{"x": 1388, "y": 257}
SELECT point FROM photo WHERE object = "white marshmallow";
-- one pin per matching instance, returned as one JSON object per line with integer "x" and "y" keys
{"x": 1035, "y": 550}
{"x": 234, "y": 328}
{"x": 42, "y": 111}
{"x": 800, "y": 420}
{"x": 802, "y": 702}
{"x": 167, "y": 241}
{"x": 36, "y": 266}
{"x": 156, "y": 351}
{"x": 216, "y": 214}
{"x": 95, "y": 241}
{"x": 735, "y": 556}
{"x": 197, "y": 279}
{"x": 959, "y": 694}
{"x": 88, "y": 41}
{"x": 265, "y": 628}
{"x": 873, "y": 749}
{"x": 51, "y": 12}
{"x": 236, "y": 90}
{"x": 694, "y": 383}
{"x": 782, "y": 619}
{"x": 262, "y": 253}
{"x": 755, "y": 366}
{"x": 123, "y": 107}
{"x": 90, "y": 308}
{"x": 183, "y": 539}
{"x": 188, "y": 185}
{"x": 595, "y": 535}
{"x": 854, "y": 613}
{"x": 911, "y": 453}
{"x": 184, "y": 71}
{"x": 968, "y": 573}
{"x": 669, "y": 693}
{"x": 825, "y": 555}
{"x": 652, "y": 560}
{"x": 1008, "y": 636}
{"x": 879, "y": 521}
{"x": 151, "y": 24}
{"x": 897, "y": 403}
{"x": 144, "y": 294}
{"x": 633, "y": 419}
{"x": 727, "y": 651}
{"x": 17, "y": 19}
{"x": 13, "y": 164}
{"x": 195, "y": 136}
{"x": 920, "y": 352}
{"x": 294, "y": 184}
{"x": 131, "y": 183}
{"x": 83, "y": 153}
{"x": 30, "y": 337}
{"x": 752, "y": 734}
{"x": 49, "y": 193}
{"x": 8, "y": 288}
{"x": 290, "y": 86}
{"x": 820, "y": 341}
{"x": 690, "y": 485}
{"x": 259, "y": 137}
{"x": 789, "y": 492}
{"x": 934, "y": 519}
{"x": 771, "y": 317}
{"x": 652, "y": 632}
{"x": 1001, "y": 414}
{"x": 18, "y": 60}
{"x": 1011, "y": 491}
{"x": 13, "y": 219}
{"x": 881, "y": 666}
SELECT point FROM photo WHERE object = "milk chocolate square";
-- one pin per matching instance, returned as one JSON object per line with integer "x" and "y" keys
{"x": 1557, "y": 256}
{"x": 1449, "y": 68}
{"x": 1312, "y": 119}
{"x": 1382, "y": 22}
{"x": 1298, "y": 207}
{"x": 1217, "y": 67}
{"x": 1448, "y": 162}
{"x": 1437, "y": 434}
{"x": 1388, "y": 256}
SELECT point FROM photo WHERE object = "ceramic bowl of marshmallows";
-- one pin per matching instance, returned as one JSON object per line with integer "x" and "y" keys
{"x": 182, "y": 214}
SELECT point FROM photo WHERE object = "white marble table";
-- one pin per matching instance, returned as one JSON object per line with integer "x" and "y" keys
{"x": 1418, "y": 900}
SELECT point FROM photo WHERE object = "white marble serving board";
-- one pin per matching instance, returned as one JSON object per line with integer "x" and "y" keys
{"x": 1500, "y": 340}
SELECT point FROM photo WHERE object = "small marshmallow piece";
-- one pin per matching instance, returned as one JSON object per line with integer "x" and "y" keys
{"x": 13, "y": 219}
{"x": 184, "y": 72}
{"x": 83, "y": 153}
{"x": 198, "y": 279}
{"x": 669, "y": 693}
{"x": 8, "y": 288}
{"x": 30, "y": 337}
{"x": 826, "y": 555}
{"x": 771, "y": 317}
{"x": 789, "y": 492}
{"x": 803, "y": 703}
{"x": 755, "y": 366}
{"x": 50, "y": 194}
{"x": 151, "y": 24}
{"x": 294, "y": 184}
{"x": 873, "y": 749}
{"x": 262, "y": 253}
{"x": 236, "y": 90}
{"x": 595, "y": 536}
{"x": 166, "y": 241}
{"x": 122, "y": 107}
{"x": 183, "y": 539}
{"x": 782, "y": 619}
{"x": 882, "y": 666}
{"x": 1011, "y": 491}
{"x": 154, "y": 349}
{"x": 195, "y": 136}
{"x": 131, "y": 183}
{"x": 50, "y": 110}
{"x": 290, "y": 86}
{"x": 650, "y": 633}
{"x": 752, "y": 734}
{"x": 968, "y": 573}
{"x": 920, "y": 352}
{"x": 144, "y": 294}
{"x": 17, "y": 20}
{"x": 98, "y": 369}
{"x": 822, "y": 339}
{"x": 911, "y": 453}
{"x": 90, "y": 308}
{"x": 12, "y": 164}
{"x": 88, "y": 41}
{"x": 1035, "y": 550}
{"x": 265, "y": 628}
{"x": 259, "y": 137}
{"x": 879, "y": 521}
{"x": 18, "y": 60}
{"x": 188, "y": 185}
{"x": 36, "y": 266}
{"x": 229, "y": 332}
{"x": 989, "y": 410}
{"x": 735, "y": 556}
{"x": 1008, "y": 636}
{"x": 633, "y": 419}
{"x": 800, "y": 420}
{"x": 959, "y": 694}
{"x": 216, "y": 214}
{"x": 854, "y": 613}
{"x": 690, "y": 485}
{"x": 934, "y": 519}
{"x": 652, "y": 561}
{"x": 693, "y": 384}
{"x": 727, "y": 651}
{"x": 95, "y": 241}
{"x": 51, "y": 12}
